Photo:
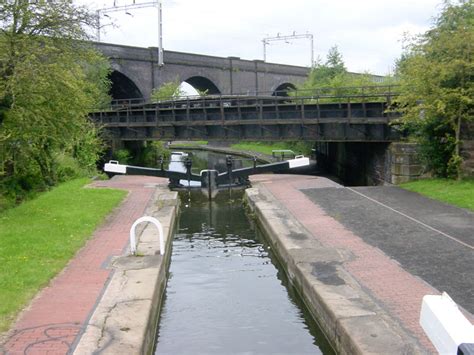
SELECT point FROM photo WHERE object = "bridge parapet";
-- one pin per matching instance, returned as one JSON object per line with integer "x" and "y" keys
{"x": 124, "y": 52}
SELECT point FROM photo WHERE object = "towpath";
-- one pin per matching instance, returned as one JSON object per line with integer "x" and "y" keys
{"x": 402, "y": 245}
{"x": 55, "y": 319}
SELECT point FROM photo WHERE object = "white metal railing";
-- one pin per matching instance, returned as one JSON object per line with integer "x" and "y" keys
{"x": 133, "y": 243}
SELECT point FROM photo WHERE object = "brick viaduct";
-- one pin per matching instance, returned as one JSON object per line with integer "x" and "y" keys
{"x": 136, "y": 72}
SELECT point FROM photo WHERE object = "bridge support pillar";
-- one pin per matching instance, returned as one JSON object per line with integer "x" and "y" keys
{"x": 405, "y": 162}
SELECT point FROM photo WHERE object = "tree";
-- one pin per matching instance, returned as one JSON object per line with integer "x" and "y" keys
{"x": 322, "y": 74}
{"x": 436, "y": 73}
{"x": 50, "y": 79}
{"x": 335, "y": 62}
{"x": 333, "y": 79}
{"x": 168, "y": 91}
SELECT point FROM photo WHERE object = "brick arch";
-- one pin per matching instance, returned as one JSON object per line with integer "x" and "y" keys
{"x": 202, "y": 83}
{"x": 283, "y": 89}
{"x": 122, "y": 87}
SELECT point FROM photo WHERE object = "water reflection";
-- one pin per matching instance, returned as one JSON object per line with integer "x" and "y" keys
{"x": 224, "y": 295}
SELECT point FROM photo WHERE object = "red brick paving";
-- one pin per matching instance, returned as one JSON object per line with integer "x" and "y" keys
{"x": 55, "y": 318}
{"x": 397, "y": 290}
{"x": 51, "y": 324}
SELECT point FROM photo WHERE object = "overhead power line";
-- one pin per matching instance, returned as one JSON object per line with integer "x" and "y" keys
{"x": 266, "y": 41}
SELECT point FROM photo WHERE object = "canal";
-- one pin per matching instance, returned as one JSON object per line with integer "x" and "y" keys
{"x": 226, "y": 292}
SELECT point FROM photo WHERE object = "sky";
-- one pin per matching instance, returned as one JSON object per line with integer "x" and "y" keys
{"x": 368, "y": 33}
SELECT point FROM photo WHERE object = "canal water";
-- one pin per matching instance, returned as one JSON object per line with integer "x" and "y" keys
{"x": 226, "y": 293}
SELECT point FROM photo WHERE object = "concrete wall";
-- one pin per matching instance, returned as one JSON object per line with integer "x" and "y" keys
{"x": 231, "y": 75}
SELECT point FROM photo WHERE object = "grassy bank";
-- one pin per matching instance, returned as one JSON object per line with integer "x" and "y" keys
{"x": 188, "y": 143}
{"x": 457, "y": 193}
{"x": 267, "y": 147}
{"x": 39, "y": 237}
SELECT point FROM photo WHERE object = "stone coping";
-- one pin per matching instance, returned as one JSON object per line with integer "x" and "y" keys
{"x": 126, "y": 317}
{"x": 352, "y": 320}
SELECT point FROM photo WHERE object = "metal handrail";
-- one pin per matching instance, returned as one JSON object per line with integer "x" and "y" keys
{"x": 133, "y": 243}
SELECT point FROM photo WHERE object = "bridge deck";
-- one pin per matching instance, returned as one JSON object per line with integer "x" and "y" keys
{"x": 341, "y": 118}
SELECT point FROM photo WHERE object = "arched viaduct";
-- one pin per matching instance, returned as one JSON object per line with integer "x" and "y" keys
{"x": 136, "y": 72}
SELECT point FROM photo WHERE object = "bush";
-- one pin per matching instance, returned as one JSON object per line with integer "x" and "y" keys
{"x": 437, "y": 145}
{"x": 300, "y": 147}
{"x": 15, "y": 189}
{"x": 123, "y": 156}
{"x": 68, "y": 168}
{"x": 149, "y": 156}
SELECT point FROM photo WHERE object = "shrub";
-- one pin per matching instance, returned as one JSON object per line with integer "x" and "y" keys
{"x": 123, "y": 156}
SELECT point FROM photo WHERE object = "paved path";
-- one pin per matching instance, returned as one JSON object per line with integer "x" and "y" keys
{"x": 55, "y": 318}
{"x": 431, "y": 240}
{"x": 404, "y": 246}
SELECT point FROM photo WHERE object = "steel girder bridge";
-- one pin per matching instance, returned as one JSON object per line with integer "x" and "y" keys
{"x": 336, "y": 115}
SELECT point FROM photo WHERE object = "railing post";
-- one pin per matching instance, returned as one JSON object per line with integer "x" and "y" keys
{"x": 349, "y": 109}
{"x": 229, "y": 163}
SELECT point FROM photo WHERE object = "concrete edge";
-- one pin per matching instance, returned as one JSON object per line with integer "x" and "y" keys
{"x": 125, "y": 319}
{"x": 351, "y": 319}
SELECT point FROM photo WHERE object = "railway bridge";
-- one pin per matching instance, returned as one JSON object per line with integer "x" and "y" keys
{"x": 360, "y": 116}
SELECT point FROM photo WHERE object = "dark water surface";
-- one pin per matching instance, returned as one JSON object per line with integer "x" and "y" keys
{"x": 225, "y": 295}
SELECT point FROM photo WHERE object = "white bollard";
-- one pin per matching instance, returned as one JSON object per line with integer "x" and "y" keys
{"x": 444, "y": 324}
{"x": 133, "y": 243}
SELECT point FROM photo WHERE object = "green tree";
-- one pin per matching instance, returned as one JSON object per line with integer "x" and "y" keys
{"x": 50, "y": 79}
{"x": 322, "y": 74}
{"x": 168, "y": 91}
{"x": 333, "y": 79}
{"x": 436, "y": 73}
{"x": 335, "y": 62}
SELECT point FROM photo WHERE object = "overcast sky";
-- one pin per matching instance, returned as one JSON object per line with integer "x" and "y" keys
{"x": 368, "y": 33}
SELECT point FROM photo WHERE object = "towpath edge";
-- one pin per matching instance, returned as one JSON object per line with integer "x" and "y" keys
{"x": 126, "y": 318}
{"x": 354, "y": 320}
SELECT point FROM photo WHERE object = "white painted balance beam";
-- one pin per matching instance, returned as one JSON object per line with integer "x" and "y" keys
{"x": 446, "y": 326}
{"x": 113, "y": 166}
{"x": 298, "y": 161}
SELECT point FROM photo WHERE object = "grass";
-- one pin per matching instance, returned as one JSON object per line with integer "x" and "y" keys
{"x": 457, "y": 193}
{"x": 39, "y": 237}
{"x": 188, "y": 143}
{"x": 264, "y": 148}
